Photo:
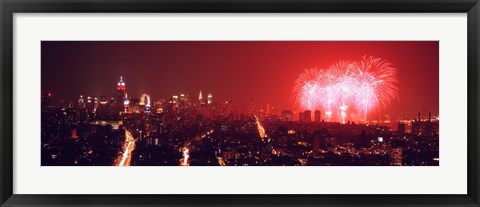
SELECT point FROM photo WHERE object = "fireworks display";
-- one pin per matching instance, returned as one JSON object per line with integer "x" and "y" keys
{"x": 348, "y": 90}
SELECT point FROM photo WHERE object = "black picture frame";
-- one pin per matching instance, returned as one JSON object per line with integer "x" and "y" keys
{"x": 9, "y": 7}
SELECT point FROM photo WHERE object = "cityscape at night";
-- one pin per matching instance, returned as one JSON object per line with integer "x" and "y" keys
{"x": 240, "y": 103}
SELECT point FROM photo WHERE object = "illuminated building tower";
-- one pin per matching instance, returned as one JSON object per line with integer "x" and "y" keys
{"x": 81, "y": 102}
{"x": 148, "y": 106}
{"x": 183, "y": 100}
{"x": 134, "y": 106}
{"x": 267, "y": 110}
{"x": 200, "y": 98}
{"x": 145, "y": 103}
{"x": 307, "y": 116}
{"x": 96, "y": 102}
{"x": 90, "y": 104}
{"x": 159, "y": 106}
{"x": 301, "y": 117}
{"x": 175, "y": 102}
{"x": 317, "y": 116}
{"x": 210, "y": 98}
{"x": 103, "y": 100}
{"x": 121, "y": 95}
{"x": 126, "y": 103}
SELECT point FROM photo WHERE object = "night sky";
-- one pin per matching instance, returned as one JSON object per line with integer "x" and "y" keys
{"x": 238, "y": 71}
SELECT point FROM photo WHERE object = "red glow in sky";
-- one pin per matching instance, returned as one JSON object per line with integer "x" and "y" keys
{"x": 239, "y": 71}
{"x": 348, "y": 89}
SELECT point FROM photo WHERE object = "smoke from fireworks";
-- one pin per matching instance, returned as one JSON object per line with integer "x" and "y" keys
{"x": 348, "y": 88}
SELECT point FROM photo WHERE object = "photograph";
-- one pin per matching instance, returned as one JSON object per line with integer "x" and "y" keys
{"x": 239, "y": 103}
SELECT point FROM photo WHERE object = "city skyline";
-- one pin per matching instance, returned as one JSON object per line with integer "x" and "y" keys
{"x": 233, "y": 103}
{"x": 124, "y": 102}
{"x": 147, "y": 74}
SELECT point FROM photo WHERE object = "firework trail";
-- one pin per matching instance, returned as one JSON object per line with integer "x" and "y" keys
{"x": 307, "y": 88}
{"x": 348, "y": 87}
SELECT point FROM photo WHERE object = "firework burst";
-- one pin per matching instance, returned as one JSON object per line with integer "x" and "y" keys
{"x": 353, "y": 88}
{"x": 307, "y": 87}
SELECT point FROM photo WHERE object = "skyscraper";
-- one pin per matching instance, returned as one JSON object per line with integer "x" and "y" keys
{"x": 200, "y": 98}
{"x": 317, "y": 116}
{"x": 126, "y": 103}
{"x": 121, "y": 95}
{"x": 103, "y": 100}
{"x": 90, "y": 104}
{"x": 210, "y": 98}
{"x": 81, "y": 102}
{"x": 183, "y": 100}
{"x": 96, "y": 102}
{"x": 175, "y": 102}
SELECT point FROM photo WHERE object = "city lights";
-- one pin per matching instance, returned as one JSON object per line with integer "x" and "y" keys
{"x": 346, "y": 109}
{"x": 151, "y": 138}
